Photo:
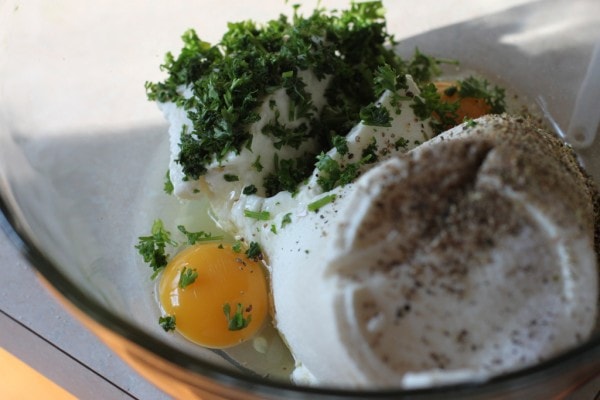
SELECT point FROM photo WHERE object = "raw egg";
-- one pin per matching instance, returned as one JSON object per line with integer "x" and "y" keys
{"x": 218, "y": 296}
{"x": 469, "y": 107}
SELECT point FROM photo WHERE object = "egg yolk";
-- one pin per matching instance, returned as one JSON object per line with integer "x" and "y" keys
{"x": 218, "y": 297}
{"x": 469, "y": 107}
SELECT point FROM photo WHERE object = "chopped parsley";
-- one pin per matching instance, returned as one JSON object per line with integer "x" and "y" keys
{"x": 153, "y": 247}
{"x": 167, "y": 322}
{"x": 340, "y": 144}
{"x": 480, "y": 88}
{"x": 401, "y": 143}
{"x": 423, "y": 68}
{"x": 287, "y": 219}
{"x": 237, "y": 246}
{"x": 254, "y": 252}
{"x": 332, "y": 174}
{"x": 258, "y": 215}
{"x": 288, "y": 173}
{"x": 387, "y": 79}
{"x": 429, "y": 103}
{"x": 470, "y": 123}
{"x": 369, "y": 153}
{"x": 250, "y": 189}
{"x": 187, "y": 277}
{"x": 168, "y": 185}
{"x": 375, "y": 115}
{"x": 195, "y": 237}
{"x": 237, "y": 321}
{"x": 230, "y": 80}
{"x": 257, "y": 165}
{"x": 231, "y": 178}
{"x": 317, "y": 204}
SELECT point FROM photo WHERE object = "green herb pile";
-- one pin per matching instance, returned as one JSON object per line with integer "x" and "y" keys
{"x": 232, "y": 78}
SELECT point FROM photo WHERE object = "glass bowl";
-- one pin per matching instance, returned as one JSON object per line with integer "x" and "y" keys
{"x": 82, "y": 153}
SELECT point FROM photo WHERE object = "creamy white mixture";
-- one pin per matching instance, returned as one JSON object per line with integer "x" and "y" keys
{"x": 446, "y": 263}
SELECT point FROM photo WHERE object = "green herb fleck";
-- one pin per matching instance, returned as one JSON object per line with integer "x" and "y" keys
{"x": 152, "y": 247}
{"x": 423, "y": 67}
{"x": 341, "y": 145}
{"x": 287, "y": 219}
{"x": 401, "y": 143}
{"x": 250, "y": 189}
{"x": 257, "y": 165}
{"x": 237, "y": 321}
{"x": 231, "y": 178}
{"x": 168, "y": 185}
{"x": 317, "y": 204}
{"x": 429, "y": 104}
{"x": 332, "y": 174}
{"x": 167, "y": 322}
{"x": 450, "y": 91}
{"x": 375, "y": 115}
{"x": 480, "y": 88}
{"x": 254, "y": 252}
{"x": 258, "y": 215}
{"x": 195, "y": 237}
{"x": 288, "y": 173}
{"x": 470, "y": 123}
{"x": 369, "y": 153}
{"x": 187, "y": 277}
{"x": 237, "y": 246}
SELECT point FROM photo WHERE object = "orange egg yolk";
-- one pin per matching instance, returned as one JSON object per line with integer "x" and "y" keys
{"x": 218, "y": 297}
{"x": 469, "y": 107}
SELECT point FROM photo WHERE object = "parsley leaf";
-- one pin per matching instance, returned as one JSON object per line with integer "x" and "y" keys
{"x": 152, "y": 247}
{"x": 287, "y": 219}
{"x": 231, "y": 178}
{"x": 480, "y": 88}
{"x": 187, "y": 277}
{"x": 237, "y": 321}
{"x": 429, "y": 103}
{"x": 254, "y": 252}
{"x": 423, "y": 67}
{"x": 195, "y": 237}
{"x": 250, "y": 189}
{"x": 375, "y": 115}
{"x": 369, "y": 153}
{"x": 288, "y": 173}
{"x": 257, "y": 165}
{"x": 317, "y": 204}
{"x": 168, "y": 185}
{"x": 167, "y": 322}
{"x": 332, "y": 174}
{"x": 341, "y": 145}
{"x": 258, "y": 215}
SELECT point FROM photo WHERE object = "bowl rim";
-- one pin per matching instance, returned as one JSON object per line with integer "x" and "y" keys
{"x": 242, "y": 381}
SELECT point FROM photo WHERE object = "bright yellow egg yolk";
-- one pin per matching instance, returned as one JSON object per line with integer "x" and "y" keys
{"x": 225, "y": 304}
{"x": 469, "y": 107}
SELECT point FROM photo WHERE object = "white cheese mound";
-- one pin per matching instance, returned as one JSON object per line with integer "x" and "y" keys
{"x": 275, "y": 108}
{"x": 471, "y": 256}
